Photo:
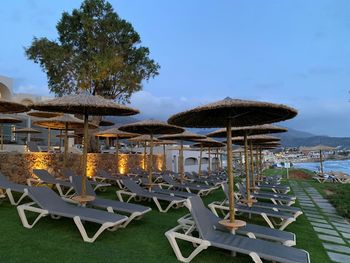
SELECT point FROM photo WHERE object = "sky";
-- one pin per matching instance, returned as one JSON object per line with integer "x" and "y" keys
{"x": 294, "y": 52}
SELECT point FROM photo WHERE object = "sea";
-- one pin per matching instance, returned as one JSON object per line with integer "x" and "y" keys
{"x": 337, "y": 166}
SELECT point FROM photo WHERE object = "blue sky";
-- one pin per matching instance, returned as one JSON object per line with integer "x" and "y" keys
{"x": 292, "y": 52}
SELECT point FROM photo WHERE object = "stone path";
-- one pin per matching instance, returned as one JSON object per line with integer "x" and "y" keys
{"x": 332, "y": 229}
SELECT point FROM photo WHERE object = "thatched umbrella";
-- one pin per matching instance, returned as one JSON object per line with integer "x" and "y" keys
{"x": 184, "y": 136}
{"x": 12, "y": 107}
{"x": 151, "y": 127}
{"x": 6, "y": 120}
{"x": 319, "y": 148}
{"x": 117, "y": 134}
{"x": 45, "y": 114}
{"x": 85, "y": 104}
{"x": 206, "y": 143}
{"x": 227, "y": 113}
{"x": 164, "y": 143}
{"x": 248, "y": 141}
{"x": 64, "y": 122}
{"x": 105, "y": 123}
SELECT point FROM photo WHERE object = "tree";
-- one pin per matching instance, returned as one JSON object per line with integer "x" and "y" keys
{"x": 96, "y": 51}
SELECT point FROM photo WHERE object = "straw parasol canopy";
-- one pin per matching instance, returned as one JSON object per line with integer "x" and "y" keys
{"x": 184, "y": 136}
{"x": 12, "y": 107}
{"x": 116, "y": 133}
{"x": 249, "y": 130}
{"x": 227, "y": 113}
{"x": 43, "y": 114}
{"x": 105, "y": 123}
{"x": 151, "y": 127}
{"x": 85, "y": 104}
{"x": 320, "y": 148}
{"x": 255, "y": 139}
{"x": 6, "y": 120}
{"x": 207, "y": 143}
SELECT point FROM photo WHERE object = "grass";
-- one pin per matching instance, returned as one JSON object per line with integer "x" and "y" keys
{"x": 59, "y": 240}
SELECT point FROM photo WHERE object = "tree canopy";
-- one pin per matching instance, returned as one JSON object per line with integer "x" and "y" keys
{"x": 96, "y": 51}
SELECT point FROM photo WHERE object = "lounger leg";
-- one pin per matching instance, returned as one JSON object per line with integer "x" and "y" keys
{"x": 21, "y": 212}
{"x": 83, "y": 233}
{"x": 255, "y": 257}
{"x": 268, "y": 221}
{"x": 285, "y": 223}
{"x": 12, "y": 199}
{"x": 172, "y": 235}
{"x": 130, "y": 218}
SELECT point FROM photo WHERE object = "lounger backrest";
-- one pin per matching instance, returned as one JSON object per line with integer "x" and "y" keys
{"x": 47, "y": 198}
{"x": 132, "y": 186}
{"x": 44, "y": 175}
{"x": 225, "y": 189}
{"x": 203, "y": 220}
{"x": 168, "y": 179}
{"x": 77, "y": 184}
{"x": 4, "y": 183}
{"x": 68, "y": 173}
{"x": 242, "y": 189}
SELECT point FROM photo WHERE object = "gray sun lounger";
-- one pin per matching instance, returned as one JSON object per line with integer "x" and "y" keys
{"x": 201, "y": 190}
{"x": 46, "y": 178}
{"x": 209, "y": 236}
{"x": 250, "y": 230}
{"x": 136, "y": 191}
{"x": 47, "y": 202}
{"x": 277, "y": 188}
{"x": 10, "y": 187}
{"x": 134, "y": 211}
{"x": 274, "y": 198}
{"x": 68, "y": 173}
{"x": 296, "y": 211}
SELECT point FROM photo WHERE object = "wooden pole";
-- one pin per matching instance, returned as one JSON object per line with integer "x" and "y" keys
{"x": 117, "y": 151}
{"x": 65, "y": 155}
{"x": 181, "y": 162}
{"x": 2, "y": 137}
{"x": 252, "y": 163}
{"x": 49, "y": 139}
{"x": 321, "y": 162}
{"x": 200, "y": 162}
{"x": 209, "y": 164}
{"x": 164, "y": 159}
{"x": 150, "y": 165}
{"x": 231, "y": 197}
{"x": 85, "y": 150}
{"x": 246, "y": 166}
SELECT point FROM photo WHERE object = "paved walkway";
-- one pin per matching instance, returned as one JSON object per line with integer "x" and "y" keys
{"x": 333, "y": 230}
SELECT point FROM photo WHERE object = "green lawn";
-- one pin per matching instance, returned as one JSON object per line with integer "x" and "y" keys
{"x": 59, "y": 240}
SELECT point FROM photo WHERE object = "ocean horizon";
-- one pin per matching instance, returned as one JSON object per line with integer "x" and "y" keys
{"x": 328, "y": 166}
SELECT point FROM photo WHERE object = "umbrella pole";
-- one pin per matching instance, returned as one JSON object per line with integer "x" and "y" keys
{"x": 241, "y": 163}
{"x": 246, "y": 166}
{"x": 65, "y": 145}
{"x": 164, "y": 159}
{"x": 321, "y": 162}
{"x": 181, "y": 161}
{"x": 117, "y": 151}
{"x": 200, "y": 162}
{"x": 217, "y": 160}
{"x": 261, "y": 163}
{"x": 230, "y": 172}
{"x": 209, "y": 164}
{"x": 49, "y": 139}
{"x": 2, "y": 137}
{"x": 83, "y": 186}
{"x": 60, "y": 139}
{"x": 144, "y": 156}
{"x": 257, "y": 165}
{"x": 150, "y": 165}
{"x": 252, "y": 163}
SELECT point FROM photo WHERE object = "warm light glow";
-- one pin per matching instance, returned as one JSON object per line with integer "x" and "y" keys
{"x": 123, "y": 163}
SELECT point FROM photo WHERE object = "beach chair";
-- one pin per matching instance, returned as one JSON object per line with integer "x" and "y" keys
{"x": 276, "y": 188}
{"x": 47, "y": 202}
{"x": 341, "y": 177}
{"x": 104, "y": 177}
{"x": 135, "y": 191}
{"x": 322, "y": 178}
{"x": 64, "y": 188}
{"x": 201, "y": 190}
{"x": 274, "y": 198}
{"x": 11, "y": 187}
{"x": 133, "y": 211}
{"x": 250, "y": 230}
{"x": 209, "y": 236}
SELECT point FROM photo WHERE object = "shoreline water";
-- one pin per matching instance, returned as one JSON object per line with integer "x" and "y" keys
{"x": 328, "y": 166}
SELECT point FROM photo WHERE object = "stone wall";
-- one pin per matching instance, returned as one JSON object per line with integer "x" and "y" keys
{"x": 18, "y": 167}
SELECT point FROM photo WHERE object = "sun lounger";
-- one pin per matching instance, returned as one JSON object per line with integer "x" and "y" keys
{"x": 136, "y": 191}
{"x": 295, "y": 211}
{"x": 101, "y": 186}
{"x": 209, "y": 236}
{"x": 341, "y": 177}
{"x": 277, "y": 188}
{"x": 250, "y": 230}
{"x": 274, "y": 198}
{"x": 11, "y": 187}
{"x": 201, "y": 190}
{"x": 104, "y": 177}
{"x": 322, "y": 178}
{"x": 46, "y": 202}
{"x": 133, "y": 211}
{"x": 64, "y": 188}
